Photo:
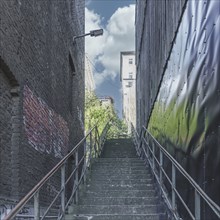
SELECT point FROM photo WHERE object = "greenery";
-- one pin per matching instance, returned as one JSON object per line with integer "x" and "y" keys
{"x": 95, "y": 113}
{"x": 118, "y": 128}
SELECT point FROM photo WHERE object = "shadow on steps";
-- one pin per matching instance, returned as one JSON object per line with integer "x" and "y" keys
{"x": 119, "y": 148}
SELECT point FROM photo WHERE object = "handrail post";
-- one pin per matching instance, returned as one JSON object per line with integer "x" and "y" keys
{"x": 153, "y": 155}
{"x": 148, "y": 145}
{"x": 95, "y": 144}
{"x": 197, "y": 206}
{"x": 136, "y": 141}
{"x": 140, "y": 143}
{"x": 161, "y": 167}
{"x": 102, "y": 139}
{"x": 36, "y": 206}
{"x": 63, "y": 168}
{"x": 76, "y": 174}
{"x": 85, "y": 154}
{"x": 173, "y": 187}
{"x": 90, "y": 147}
{"x": 98, "y": 143}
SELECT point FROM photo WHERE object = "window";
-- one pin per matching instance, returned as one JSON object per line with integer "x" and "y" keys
{"x": 129, "y": 84}
{"x": 71, "y": 65}
{"x": 70, "y": 82}
{"x": 130, "y": 61}
{"x": 130, "y": 75}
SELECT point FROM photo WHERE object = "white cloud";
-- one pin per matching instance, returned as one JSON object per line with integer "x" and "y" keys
{"x": 93, "y": 45}
{"x": 118, "y": 36}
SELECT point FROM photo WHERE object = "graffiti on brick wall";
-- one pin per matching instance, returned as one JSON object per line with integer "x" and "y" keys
{"x": 46, "y": 130}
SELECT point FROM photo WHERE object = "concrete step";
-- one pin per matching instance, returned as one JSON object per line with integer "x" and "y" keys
{"x": 113, "y": 166}
{"x": 119, "y": 201}
{"x": 123, "y": 148}
{"x": 121, "y": 177}
{"x": 96, "y": 187}
{"x": 124, "y": 144}
{"x": 120, "y": 181}
{"x": 118, "y": 160}
{"x": 118, "y": 193}
{"x": 123, "y": 164}
{"x": 119, "y": 172}
{"x": 120, "y": 149}
{"x": 119, "y": 187}
{"x": 118, "y": 154}
{"x": 116, "y": 165}
{"x": 117, "y": 209}
{"x": 118, "y": 217}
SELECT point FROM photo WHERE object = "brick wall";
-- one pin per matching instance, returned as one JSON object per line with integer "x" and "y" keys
{"x": 43, "y": 120}
{"x": 5, "y": 134}
{"x": 46, "y": 131}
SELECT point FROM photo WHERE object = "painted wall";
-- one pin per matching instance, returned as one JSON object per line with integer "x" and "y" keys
{"x": 185, "y": 116}
{"x": 156, "y": 26}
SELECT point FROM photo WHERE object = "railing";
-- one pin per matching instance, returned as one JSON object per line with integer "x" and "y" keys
{"x": 91, "y": 146}
{"x": 150, "y": 149}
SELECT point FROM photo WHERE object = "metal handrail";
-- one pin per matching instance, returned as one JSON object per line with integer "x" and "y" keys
{"x": 96, "y": 143}
{"x": 142, "y": 141}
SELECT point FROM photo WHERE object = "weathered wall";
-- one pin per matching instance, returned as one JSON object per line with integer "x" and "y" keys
{"x": 5, "y": 133}
{"x": 10, "y": 129}
{"x": 185, "y": 116}
{"x": 37, "y": 48}
{"x": 156, "y": 26}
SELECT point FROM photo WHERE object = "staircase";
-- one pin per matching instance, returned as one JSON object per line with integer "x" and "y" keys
{"x": 120, "y": 187}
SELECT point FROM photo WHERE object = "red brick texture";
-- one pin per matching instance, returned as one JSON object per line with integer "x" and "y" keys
{"x": 46, "y": 130}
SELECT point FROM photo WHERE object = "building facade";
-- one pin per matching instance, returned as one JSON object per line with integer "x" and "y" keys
{"x": 128, "y": 80}
{"x": 106, "y": 101}
{"x": 89, "y": 79}
{"x": 178, "y": 86}
{"x": 41, "y": 90}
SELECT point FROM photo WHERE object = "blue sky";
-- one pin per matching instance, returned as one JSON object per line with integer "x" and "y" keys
{"x": 107, "y": 7}
{"x": 117, "y": 18}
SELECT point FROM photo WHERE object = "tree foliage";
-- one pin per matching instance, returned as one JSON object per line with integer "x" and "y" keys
{"x": 118, "y": 129}
{"x": 96, "y": 113}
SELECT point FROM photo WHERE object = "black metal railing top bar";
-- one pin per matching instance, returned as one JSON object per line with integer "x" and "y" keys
{"x": 92, "y": 145}
{"x": 150, "y": 149}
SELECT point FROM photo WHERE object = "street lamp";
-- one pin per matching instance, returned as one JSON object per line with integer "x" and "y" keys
{"x": 93, "y": 33}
